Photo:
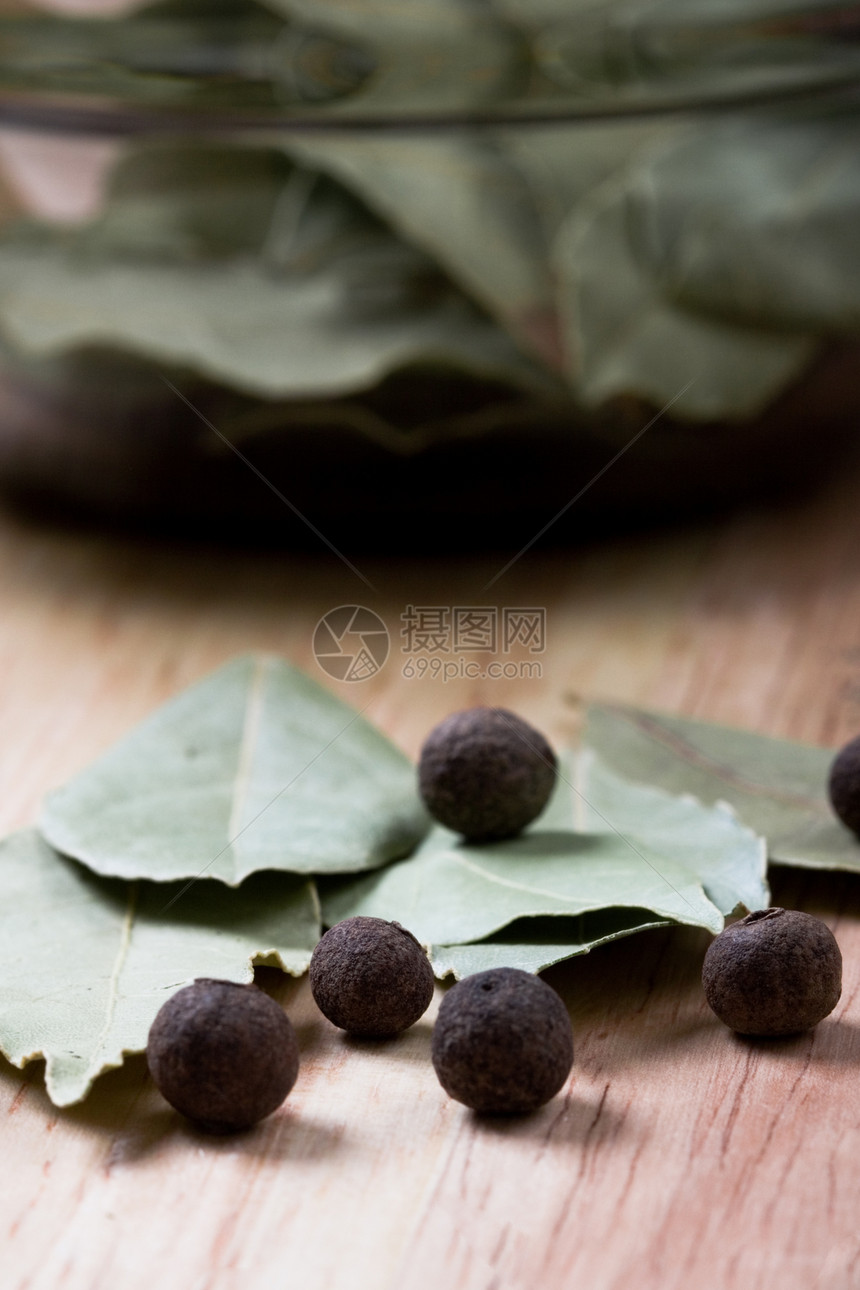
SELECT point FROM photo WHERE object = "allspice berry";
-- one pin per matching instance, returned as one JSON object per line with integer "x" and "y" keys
{"x": 775, "y": 972}
{"x": 502, "y": 1042}
{"x": 371, "y": 977}
{"x": 224, "y": 1055}
{"x": 844, "y": 785}
{"x": 485, "y": 773}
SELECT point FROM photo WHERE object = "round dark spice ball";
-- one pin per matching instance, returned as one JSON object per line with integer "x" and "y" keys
{"x": 486, "y": 773}
{"x": 371, "y": 977}
{"x": 223, "y": 1054}
{"x": 844, "y": 785}
{"x": 502, "y": 1042}
{"x": 776, "y": 972}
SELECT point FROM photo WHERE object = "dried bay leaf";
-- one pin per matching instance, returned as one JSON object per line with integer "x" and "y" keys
{"x": 465, "y": 203}
{"x": 247, "y": 270}
{"x": 768, "y": 200}
{"x": 561, "y": 167}
{"x": 186, "y": 202}
{"x": 776, "y": 786}
{"x": 86, "y": 962}
{"x": 443, "y": 56}
{"x": 644, "y": 257}
{"x": 255, "y": 767}
{"x": 626, "y": 334}
{"x": 705, "y": 835}
{"x": 536, "y": 943}
{"x": 449, "y": 892}
{"x": 608, "y": 845}
{"x": 477, "y": 201}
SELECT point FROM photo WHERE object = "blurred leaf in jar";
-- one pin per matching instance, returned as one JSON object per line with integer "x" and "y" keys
{"x": 624, "y": 334}
{"x": 782, "y": 198}
{"x": 447, "y": 55}
{"x": 640, "y": 257}
{"x": 727, "y": 253}
{"x": 247, "y": 269}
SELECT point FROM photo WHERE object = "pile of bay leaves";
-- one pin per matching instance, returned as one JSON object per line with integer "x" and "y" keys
{"x": 255, "y": 807}
{"x": 700, "y": 260}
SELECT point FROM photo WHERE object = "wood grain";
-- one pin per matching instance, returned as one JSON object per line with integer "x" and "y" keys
{"x": 677, "y": 1155}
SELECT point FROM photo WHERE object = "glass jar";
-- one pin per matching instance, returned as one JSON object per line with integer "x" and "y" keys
{"x": 427, "y": 273}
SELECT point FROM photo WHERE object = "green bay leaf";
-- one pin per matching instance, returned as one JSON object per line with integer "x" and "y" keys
{"x": 602, "y": 844}
{"x": 537, "y": 943}
{"x": 707, "y": 837}
{"x": 443, "y": 56}
{"x": 457, "y": 195}
{"x": 248, "y": 270}
{"x": 466, "y": 204}
{"x": 776, "y": 786}
{"x": 450, "y": 892}
{"x": 86, "y": 962}
{"x": 255, "y": 767}
{"x": 751, "y": 194}
{"x": 626, "y": 333}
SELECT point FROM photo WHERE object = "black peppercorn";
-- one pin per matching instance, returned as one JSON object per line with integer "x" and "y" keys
{"x": 776, "y": 972}
{"x": 844, "y": 785}
{"x": 371, "y": 977}
{"x": 502, "y": 1042}
{"x": 223, "y": 1054}
{"x": 486, "y": 773}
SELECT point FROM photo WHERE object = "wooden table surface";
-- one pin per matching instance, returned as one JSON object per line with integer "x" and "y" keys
{"x": 677, "y": 1155}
